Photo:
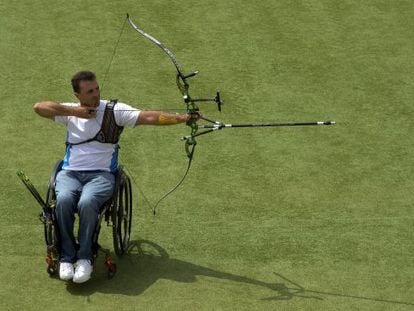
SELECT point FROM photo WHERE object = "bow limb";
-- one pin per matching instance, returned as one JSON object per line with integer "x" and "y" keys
{"x": 180, "y": 75}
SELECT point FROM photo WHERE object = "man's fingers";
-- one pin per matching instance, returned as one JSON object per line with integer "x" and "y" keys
{"x": 86, "y": 112}
{"x": 195, "y": 116}
{"x": 92, "y": 113}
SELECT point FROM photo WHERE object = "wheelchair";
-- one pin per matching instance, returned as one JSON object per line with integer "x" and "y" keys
{"x": 116, "y": 212}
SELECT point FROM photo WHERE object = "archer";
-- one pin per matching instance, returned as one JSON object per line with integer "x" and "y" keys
{"x": 87, "y": 179}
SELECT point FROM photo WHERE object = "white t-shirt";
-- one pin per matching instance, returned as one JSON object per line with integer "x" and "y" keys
{"x": 93, "y": 155}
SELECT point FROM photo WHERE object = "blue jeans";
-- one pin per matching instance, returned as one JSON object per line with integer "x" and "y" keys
{"x": 85, "y": 193}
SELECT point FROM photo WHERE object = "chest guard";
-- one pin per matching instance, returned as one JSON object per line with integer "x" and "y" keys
{"x": 110, "y": 132}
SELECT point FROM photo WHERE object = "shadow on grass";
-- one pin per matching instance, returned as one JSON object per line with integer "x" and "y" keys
{"x": 146, "y": 262}
{"x": 143, "y": 265}
{"x": 295, "y": 290}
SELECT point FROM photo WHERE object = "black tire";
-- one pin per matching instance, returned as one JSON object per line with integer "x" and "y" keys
{"x": 122, "y": 216}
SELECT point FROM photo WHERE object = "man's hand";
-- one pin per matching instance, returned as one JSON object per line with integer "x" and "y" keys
{"x": 193, "y": 117}
{"x": 84, "y": 112}
{"x": 50, "y": 109}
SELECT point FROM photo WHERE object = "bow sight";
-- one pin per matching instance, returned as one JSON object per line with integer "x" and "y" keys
{"x": 183, "y": 86}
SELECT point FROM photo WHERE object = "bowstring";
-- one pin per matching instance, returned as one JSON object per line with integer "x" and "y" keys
{"x": 100, "y": 110}
{"x": 113, "y": 55}
{"x": 109, "y": 67}
{"x": 137, "y": 185}
{"x": 151, "y": 206}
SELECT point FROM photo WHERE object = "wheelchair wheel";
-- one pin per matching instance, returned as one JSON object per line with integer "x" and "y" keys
{"x": 48, "y": 217}
{"x": 122, "y": 216}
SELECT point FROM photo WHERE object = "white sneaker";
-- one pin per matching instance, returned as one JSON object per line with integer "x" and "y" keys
{"x": 83, "y": 271}
{"x": 66, "y": 271}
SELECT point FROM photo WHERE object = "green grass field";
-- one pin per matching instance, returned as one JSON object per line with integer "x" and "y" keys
{"x": 310, "y": 218}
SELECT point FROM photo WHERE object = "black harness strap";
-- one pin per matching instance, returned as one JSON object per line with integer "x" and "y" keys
{"x": 109, "y": 132}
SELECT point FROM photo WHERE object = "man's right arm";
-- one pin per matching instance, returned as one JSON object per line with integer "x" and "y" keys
{"x": 50, "y": 109}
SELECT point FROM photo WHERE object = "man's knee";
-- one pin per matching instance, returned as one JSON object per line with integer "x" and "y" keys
{"x": 66, "y": 199}
{"x": 89, "y": 205}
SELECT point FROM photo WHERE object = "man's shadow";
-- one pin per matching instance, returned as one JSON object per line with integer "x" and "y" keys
{"x": 147, "y": 262}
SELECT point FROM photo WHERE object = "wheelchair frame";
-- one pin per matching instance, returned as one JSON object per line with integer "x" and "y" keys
{"x": 117, "y": 213}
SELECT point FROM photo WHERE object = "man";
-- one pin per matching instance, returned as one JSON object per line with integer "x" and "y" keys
{"x": 91, "y": 159}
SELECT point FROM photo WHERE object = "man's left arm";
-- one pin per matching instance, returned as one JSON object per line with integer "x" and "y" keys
{"x": 163, "y": 118}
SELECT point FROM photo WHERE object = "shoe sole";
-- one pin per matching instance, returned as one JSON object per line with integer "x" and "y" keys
{"x": 79, "y": 281}
{"x": 66, "y": 278}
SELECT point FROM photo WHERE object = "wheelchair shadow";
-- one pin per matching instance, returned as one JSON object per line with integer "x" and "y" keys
{"x": 146, "y": 262}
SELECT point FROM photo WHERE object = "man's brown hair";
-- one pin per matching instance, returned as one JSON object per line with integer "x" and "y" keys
{"x": 83, "y": 75}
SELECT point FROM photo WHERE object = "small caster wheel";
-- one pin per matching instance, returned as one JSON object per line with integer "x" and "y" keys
{"x": 51, "y": 266}
{"x": 111, "y": 270}
{"x": 51, "y": 270}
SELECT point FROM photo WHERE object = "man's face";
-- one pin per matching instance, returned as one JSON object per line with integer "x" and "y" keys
{"x": 89, "y": 94}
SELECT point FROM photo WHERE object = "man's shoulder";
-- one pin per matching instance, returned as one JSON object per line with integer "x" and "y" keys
{"x": 120, "y": 106}
{"x": 125, "y": 115}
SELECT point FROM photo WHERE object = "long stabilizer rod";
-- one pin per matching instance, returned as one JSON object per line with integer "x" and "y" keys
{"x": 218, "y": 126}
